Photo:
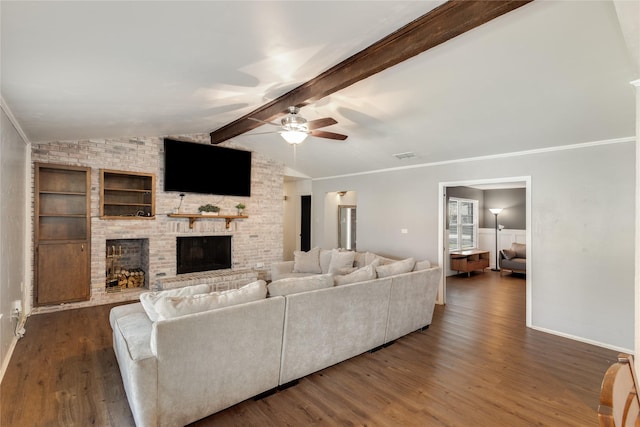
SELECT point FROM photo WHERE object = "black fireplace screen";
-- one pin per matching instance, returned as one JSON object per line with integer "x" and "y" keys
{"x": 203, "y": 253}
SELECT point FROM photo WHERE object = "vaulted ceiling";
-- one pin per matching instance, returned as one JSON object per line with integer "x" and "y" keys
{"x": 549, "y": 73}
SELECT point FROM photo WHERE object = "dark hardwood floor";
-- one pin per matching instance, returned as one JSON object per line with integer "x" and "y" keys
{"x": 477, "y": 365}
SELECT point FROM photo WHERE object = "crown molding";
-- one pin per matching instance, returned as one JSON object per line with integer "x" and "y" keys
{"x": 13, "y": 120}
{"x": 490, "y": 157}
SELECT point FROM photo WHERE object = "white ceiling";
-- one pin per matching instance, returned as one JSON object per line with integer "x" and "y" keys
{"x": 550, "y": 73}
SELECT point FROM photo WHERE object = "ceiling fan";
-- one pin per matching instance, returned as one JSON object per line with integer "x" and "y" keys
{"x": 294, "y": 128}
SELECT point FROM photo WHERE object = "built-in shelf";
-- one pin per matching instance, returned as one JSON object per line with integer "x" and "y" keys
{"x": 193, "y": 217}
{"x": 127, "y": 195}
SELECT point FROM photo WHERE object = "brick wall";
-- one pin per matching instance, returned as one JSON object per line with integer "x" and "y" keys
{"x": 257, "y": 240}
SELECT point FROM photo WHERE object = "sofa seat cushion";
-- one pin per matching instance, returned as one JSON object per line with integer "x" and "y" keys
{"x": 394, "y": 268}
{"x": 135, "y": 329}
{"x": 294, "y": 285}
{"x": 169, "y": 307}
{"x": 514, "y": 263}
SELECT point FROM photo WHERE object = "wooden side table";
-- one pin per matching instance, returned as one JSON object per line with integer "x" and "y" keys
{"x": 469, "y": 260}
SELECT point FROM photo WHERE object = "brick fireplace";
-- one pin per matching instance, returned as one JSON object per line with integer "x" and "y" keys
{"x": 256, "y": 240}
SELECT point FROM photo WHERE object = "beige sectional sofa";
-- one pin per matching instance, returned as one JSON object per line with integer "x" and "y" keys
{"x": 178, "y": 368}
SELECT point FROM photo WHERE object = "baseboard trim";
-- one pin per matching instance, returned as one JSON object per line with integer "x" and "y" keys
{"x": 7, "y": 359}
{"x": 584, "y": 340}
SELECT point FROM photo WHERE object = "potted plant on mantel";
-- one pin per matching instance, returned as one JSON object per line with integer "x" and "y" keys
{"x": 208, "y": 209}
{"x": 240, "y": 207}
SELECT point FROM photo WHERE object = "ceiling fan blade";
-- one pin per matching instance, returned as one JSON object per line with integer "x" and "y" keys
{"x": 328, "y": 135}
{"x": 262, "y": 133}
{"x": 263, "y": 121}
{"x": 320, "y": 123}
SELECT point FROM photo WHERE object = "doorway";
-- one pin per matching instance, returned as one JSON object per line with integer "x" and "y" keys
{"x": 347, "y": 227}
{"x": 305, "y": 223}
{"x": 443, "y": 234}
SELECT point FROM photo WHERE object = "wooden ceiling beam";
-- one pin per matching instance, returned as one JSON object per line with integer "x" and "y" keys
{"x": 433, "y": 28}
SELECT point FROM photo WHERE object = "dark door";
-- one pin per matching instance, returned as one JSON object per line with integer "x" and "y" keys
{"x": 305, "y": 223}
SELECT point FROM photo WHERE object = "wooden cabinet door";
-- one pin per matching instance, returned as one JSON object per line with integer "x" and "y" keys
{"x": 62, "y": 272}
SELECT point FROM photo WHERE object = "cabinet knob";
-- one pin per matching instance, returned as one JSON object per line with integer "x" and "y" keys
{"x": 82, "y": 247}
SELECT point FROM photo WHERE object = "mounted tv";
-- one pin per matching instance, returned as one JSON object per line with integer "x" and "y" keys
{"x": 208, "y": 169}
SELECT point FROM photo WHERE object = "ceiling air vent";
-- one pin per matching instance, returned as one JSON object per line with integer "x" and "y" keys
{"x": 402, "y": 156}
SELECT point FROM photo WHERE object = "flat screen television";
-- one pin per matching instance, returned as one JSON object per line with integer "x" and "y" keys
{"x": 209, "y": 169}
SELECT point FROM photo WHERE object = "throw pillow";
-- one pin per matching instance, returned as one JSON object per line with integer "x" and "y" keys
{"x": 422, "y": 265}
{"x": 149, "y": 299}
{"x": 340, "y": 260}
{"x": 368, "y": 272}
{"x": 169, "y": 307}
{"x": 397, "y": 267}
{"x": 364, "y": 258}
{"x": 295, "y": 285}
{"x": 343, "y": 271}
{"x": 325, "y": 260}
{"x": 307, "y": 262}
{"x": 508, "y": 253}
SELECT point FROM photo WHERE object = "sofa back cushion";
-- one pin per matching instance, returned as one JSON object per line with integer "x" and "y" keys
{"x": 169, "y": 307}
{"x": 520, "y": 250}
{"x": 149, "y": 299}
{"x": 397, "y": 267}
{"x": 294, "y": 285}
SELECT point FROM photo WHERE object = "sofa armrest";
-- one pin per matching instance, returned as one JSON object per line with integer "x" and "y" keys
{"x": 280, "y": 269}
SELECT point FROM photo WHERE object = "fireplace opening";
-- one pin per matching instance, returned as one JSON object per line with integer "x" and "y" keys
{"x": 127, "y": 262}
{"x": 203, "y": 253}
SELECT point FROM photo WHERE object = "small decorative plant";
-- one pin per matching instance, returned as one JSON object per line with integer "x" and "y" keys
{"x": 208, "y": 208}
{"x": 240, "y": 208}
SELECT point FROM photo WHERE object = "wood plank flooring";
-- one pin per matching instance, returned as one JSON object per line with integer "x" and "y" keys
{"x": 477, "y": 365}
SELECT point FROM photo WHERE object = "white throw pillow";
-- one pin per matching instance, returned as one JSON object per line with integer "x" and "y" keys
{"x": 149, "y": 299}
{"x": 368, "y": 272}
{"x": 294, "y": 285}
{"x": 170, "y": 307}
{"x": 325, "y": 259}
{"x": 340, "y": 260}
{"x": 397, "y": 267}
{"x": 422, "y": 265}
{"x": 307, "y": 262}
{"x": 364, "y": 258}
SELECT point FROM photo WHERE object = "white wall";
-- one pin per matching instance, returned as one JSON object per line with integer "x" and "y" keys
{"x": 582, "y": 240}
{"x": 14, "y": 158}
{"x": 293, "y": 190}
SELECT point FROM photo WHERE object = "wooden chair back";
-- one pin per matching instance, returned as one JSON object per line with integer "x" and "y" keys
{"x": 619, "y": 402}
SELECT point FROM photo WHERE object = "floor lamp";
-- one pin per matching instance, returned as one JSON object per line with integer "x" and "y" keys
{"x": 496, "y": 211}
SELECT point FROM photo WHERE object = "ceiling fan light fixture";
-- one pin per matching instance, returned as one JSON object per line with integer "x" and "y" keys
{"x": 294, "y": 136}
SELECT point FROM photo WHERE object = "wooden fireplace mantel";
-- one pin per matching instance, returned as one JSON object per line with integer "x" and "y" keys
{"x": 193, "y": 217}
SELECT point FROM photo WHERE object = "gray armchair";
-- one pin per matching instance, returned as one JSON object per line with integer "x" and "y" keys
{"x": 514, "y": 259}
